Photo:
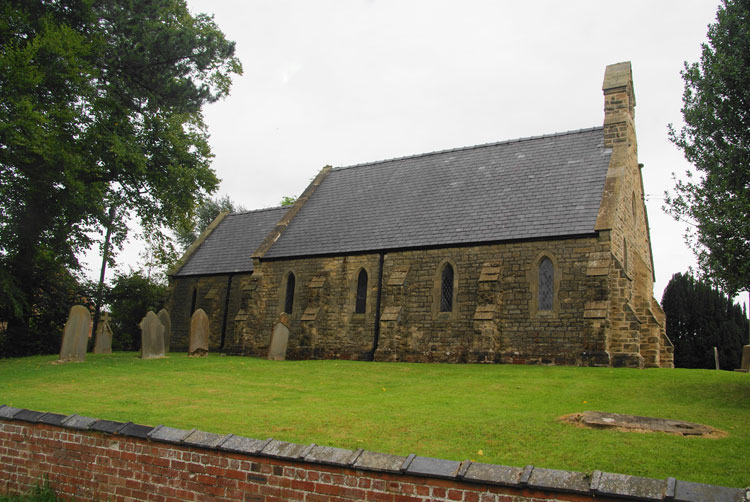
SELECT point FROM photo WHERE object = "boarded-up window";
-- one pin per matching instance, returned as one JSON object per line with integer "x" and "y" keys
{"x": 289, "y": 302}
{"x": 546, "y": 284}
{"x": 361, "y": 303}
{"x": 446, "y": 289}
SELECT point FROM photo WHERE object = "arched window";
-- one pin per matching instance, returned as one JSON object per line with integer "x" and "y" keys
{"x": 446, "y": 289}
{"x": 625, "y": 254}
{"x": 192, "y": 303}
{"x": 361, "y": 304}
{"x": 546, "y": 284}
{"x": 289, "y": 302}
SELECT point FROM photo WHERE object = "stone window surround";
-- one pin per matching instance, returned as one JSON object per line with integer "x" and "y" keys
{"x": 353, "y": 293}
{"x": 282, "y": 293}
{"x": 533, "y": 281}
{"x": 437, "y": 287}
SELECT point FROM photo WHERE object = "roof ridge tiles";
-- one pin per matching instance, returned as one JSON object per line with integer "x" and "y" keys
{"x": 472, "y": 147}
{"x": 247, "y": 211}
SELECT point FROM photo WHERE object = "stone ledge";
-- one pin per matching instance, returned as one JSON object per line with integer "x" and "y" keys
{"x": 108, "y": 426}
{"x": 391, "y": 314}
{"x": 78, "y": 422}
{"x": 28, "y": 416}
{"x": 166, "y": 434}
{"x": 310, "y": 314}
{"x": 618, "y": 486}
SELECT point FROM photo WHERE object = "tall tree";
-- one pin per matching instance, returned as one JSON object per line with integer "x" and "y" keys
{"x": 131, "y": 296}
{"x": 101, "y": 106}
{"x": 699, "y": 318}
{"x": 715, "y": 200}
{"x": 189, "y": 229}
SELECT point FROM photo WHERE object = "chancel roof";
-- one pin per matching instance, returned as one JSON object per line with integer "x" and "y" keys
{"x": 546, "y": 186}
{"x": 229, "y": 247}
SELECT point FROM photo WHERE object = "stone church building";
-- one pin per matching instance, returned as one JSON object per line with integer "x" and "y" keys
{"x": 533, "y": 251}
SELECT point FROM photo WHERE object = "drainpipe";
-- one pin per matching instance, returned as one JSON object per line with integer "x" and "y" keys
{"x": 376, "y": 334}
{"x": 226, "y": 312}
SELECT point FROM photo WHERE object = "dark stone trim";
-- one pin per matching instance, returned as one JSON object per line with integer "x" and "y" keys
{"x": 446, "y": 245}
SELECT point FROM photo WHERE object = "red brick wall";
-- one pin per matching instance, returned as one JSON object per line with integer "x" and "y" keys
{"x": 96, "y": 466}
{"x": 82, "y": 463}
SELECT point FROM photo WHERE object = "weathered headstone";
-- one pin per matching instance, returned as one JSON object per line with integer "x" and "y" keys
{"x": 199, "y": 329}
{"x": 279, "y": 340}
{"x": 745, "y": 365}
{"x": 163, "y": 316}
{"x": 716, "y": 357}
{"x": 152, "y": 336}
{"x": 76, "y": 334}
{"x": 103, "y": 343}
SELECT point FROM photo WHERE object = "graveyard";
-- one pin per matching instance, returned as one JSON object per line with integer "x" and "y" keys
{"x": 501, "y": 414}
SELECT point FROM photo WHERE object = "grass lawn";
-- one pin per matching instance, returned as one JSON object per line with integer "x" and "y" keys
{"x": 499, "y": 414}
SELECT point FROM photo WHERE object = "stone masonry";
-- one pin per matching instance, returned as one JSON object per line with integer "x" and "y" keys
{"x": 602, "y": 310}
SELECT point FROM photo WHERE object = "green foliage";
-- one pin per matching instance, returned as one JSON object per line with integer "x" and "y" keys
{"x": 716, "y": 140}
{"x": 451, "y": 411}
{"x": 101, "y": 106}
{"x": 130, "y": 298}
{"x": 288, "y": 200}
{"x": 188, "y": 230}
{"x": 56, "y": 293}
{"x": 40, "y": 493}
{"x": 699, "y": 318}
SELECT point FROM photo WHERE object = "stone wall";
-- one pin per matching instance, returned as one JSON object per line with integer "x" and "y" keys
{"x": 211, "y": 296}
{"x": 86, "y": 459}
{"x": 638, "y": 323}
{"x": 494, "y": 316}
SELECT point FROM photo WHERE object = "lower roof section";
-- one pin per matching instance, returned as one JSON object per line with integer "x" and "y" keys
{"x": 228, "y": 249}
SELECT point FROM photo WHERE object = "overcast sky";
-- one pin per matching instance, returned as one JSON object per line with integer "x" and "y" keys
{"x": 342, "y": 82}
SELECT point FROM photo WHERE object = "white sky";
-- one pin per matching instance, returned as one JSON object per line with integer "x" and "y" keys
{"x": 342, "y": 82}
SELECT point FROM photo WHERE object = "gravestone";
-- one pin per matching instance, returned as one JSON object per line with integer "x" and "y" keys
{"x": 199, "y": 328}
{"x": 103, "y": 343}
{"x": 163, "y": 316}
{"x": 152, "y": 336}
{"x": 279, "y": 340}
{"x": 745, "y": 365}
{"x": 76, "y": 334}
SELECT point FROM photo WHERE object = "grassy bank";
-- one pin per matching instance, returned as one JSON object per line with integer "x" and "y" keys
{"x": 490, "y": 413}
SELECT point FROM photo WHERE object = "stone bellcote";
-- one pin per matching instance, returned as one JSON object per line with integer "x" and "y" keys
{"x": 619, "y": 105}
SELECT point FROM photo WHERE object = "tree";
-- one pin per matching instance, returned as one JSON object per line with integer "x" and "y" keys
{"x": 101, "y": 107}
{"x": 132, "y": 295}
{"x": 288, "y": 200}
{"x": 700, "y": 317}
{"x": 190, "y": 229}
{"x": 716, "y": 140}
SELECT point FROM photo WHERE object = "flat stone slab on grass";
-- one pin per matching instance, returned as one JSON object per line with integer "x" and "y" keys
{"x": 635, "y": 423}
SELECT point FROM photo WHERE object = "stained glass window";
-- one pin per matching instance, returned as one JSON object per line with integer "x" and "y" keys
{"x": 361, "y": 304}
{"x": 446, "y": 289}
{"x": 546, "y": 284}
{"x": 289, "y": 303}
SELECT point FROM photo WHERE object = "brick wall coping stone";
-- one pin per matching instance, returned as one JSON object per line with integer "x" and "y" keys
{"x": 597, "y": 484}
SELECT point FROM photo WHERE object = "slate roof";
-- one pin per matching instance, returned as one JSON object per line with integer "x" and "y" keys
{"x": 229, "y": 247}
{"x": 536, "y": 187}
